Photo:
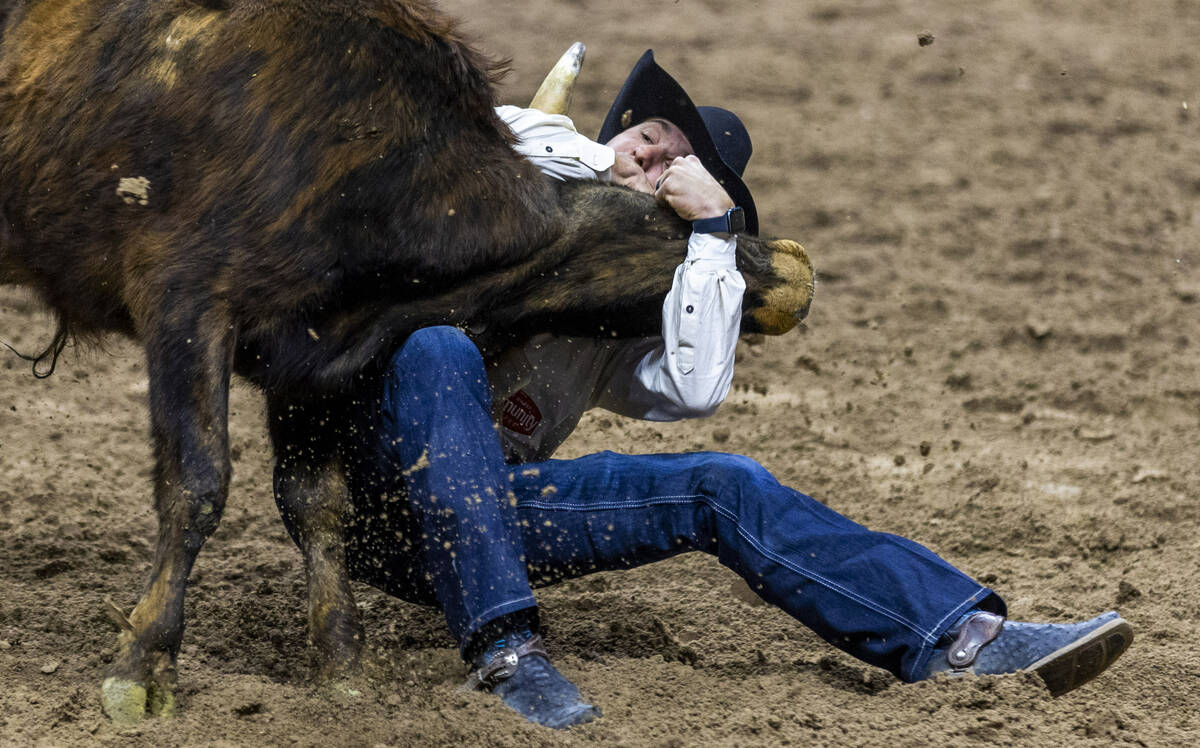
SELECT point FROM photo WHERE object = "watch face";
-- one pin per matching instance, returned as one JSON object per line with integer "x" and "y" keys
{"x": 737, "y": 220}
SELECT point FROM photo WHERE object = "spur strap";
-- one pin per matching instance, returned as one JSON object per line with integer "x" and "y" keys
{"x": 977, "y": 631}
{"x": 503, "y": 664}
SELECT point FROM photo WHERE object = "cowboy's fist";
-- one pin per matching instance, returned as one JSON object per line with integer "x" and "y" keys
{"x": 691, "y": 191}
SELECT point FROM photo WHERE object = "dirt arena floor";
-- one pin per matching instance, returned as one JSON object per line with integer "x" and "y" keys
{"x": 1002, "y": 362}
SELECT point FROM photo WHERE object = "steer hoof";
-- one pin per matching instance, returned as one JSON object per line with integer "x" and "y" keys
{"x": 128, "y": 702}
{"x": 345, "y": 690}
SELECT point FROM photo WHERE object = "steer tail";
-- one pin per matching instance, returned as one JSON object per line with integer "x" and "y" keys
{"x": 62, "y": 336}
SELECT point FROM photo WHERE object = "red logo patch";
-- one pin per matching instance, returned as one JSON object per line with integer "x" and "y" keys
{"x": 521, "y": 414}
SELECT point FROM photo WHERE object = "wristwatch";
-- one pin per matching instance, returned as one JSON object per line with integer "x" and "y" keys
{"x": 733, "y": 221}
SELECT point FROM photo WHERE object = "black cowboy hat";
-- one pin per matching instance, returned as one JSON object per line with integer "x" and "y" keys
{"x": 717, "y": 135}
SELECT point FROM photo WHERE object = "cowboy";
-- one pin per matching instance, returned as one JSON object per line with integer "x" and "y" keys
{"x": 463, "y": 507}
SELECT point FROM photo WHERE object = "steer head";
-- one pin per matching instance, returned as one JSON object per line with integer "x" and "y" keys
{"x": 613, "y": 264}
{"x": 605, "y": 274}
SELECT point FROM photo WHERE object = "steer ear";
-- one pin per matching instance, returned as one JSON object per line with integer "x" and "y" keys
{"x": 554, "y": 95}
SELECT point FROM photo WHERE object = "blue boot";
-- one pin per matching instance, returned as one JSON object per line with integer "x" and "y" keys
{"x": 517, "y": 669}
{"x": 1065, "y": 655}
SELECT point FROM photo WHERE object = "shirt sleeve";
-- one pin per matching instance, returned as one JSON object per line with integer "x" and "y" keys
{"x": 687, "y": 372}
{"x": 551, "y": 143}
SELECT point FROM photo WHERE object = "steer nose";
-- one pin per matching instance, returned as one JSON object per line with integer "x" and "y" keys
{"x": 788, "y": 300}
{"x": 791, "y": 247}
{"x": 795, "y": 249}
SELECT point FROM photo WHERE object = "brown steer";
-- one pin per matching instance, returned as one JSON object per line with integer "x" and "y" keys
{"x": 286, "y": 189}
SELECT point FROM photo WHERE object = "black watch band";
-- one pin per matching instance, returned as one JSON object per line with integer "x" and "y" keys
{"x": 733, "y": 221}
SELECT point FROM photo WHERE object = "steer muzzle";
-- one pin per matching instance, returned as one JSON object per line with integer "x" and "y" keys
{"x": 781, "y": 298}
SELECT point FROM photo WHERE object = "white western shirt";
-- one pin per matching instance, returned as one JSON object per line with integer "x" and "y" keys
{"x": 541, "y": 389}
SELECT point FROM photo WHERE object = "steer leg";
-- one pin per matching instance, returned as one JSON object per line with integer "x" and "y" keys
{"x": 310, "y": 489}
{"x": 189, "y": 357}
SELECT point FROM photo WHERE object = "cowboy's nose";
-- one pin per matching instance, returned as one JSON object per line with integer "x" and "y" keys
{"x": 647, "y": 155}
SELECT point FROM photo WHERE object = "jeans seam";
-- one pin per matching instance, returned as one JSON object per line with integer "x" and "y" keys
{"x": 926, "y": 637}
{"x": 535, "y": 504}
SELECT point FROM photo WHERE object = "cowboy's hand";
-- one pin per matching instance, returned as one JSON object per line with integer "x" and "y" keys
{"x": 691, "y": 191}
{"x": 627, "y": 172}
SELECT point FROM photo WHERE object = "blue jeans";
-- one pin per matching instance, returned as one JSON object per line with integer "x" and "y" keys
{"x": 444, "y": 520}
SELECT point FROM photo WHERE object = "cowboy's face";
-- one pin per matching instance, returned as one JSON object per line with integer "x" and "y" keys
{"x": 645, "y": 151}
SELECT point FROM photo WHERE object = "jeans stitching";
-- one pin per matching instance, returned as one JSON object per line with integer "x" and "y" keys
{"x": 535, "y": 504}
{"x": 925, "y": 636}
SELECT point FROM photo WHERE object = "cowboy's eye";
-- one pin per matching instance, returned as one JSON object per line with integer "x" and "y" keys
{"x": 646, "y": 136}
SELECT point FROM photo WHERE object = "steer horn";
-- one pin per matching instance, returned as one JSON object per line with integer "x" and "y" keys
{"x": 554, "y": 95}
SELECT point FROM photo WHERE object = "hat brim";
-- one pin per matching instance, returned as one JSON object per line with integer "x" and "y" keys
{"x": 650, "y": 91}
